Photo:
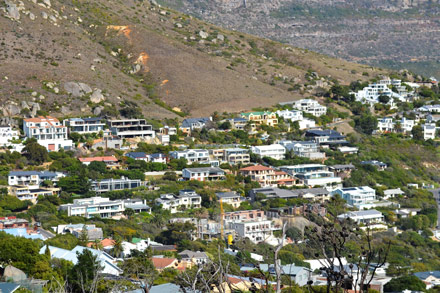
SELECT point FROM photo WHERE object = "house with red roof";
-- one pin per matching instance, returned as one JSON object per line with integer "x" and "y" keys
{"x": 48, "y": 131}
{"x": 267, "y": 176}
{"x": 160, "y": 263}
{"x": 110, "y": 161}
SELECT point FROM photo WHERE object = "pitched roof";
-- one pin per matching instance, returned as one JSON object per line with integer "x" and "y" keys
{"x": 30, "y": 173}
{"x": 192, "y": 254}
{"x": 137, "y": 154}
{"x": 424, "y": 275}
{"x": 8, "y": 287}
{"x": 161, "y": 263}
{"x": 99, "y": 159}
{"x": 256, "y": 168}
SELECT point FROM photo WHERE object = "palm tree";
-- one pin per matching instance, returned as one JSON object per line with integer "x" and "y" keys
{"x": 97, "y": 244}
{"x": 117, "y": 247}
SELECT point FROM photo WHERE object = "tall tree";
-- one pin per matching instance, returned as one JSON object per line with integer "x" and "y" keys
{"x": 84, "y": 276}
{"x": 35, "y": 153}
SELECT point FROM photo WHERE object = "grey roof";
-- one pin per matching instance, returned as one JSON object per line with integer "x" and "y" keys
{"x": 424, "y": 275}
{"x": 362, "y": 213}
{"x": 189, "y": 121}
{"x": 348, "y": 166}
{"x": 165, "y": 288}
{"x": 8, "y": 287}
{"x": 192, "y": 254}
{"x": 289, "y": 269}
{"x": 275, "y": 192}
{"x": 227, "y": 194}
{"x": 137, "y": 154}
{"x": 327, "y": 132}
{"x": 29, "y": 173}
{"x": 286, "y": 193}
{"x": 205, "y": 169}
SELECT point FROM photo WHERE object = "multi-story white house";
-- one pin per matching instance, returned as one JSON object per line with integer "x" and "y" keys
{"x": 304, "y": 149}
{"x": 306, "y": 123}
{"x": 106, "y": 185}
{"x": 129, "y": 128}
{"x": 371, "y": 93}
{"x": 274, "y": 151}
{"x": 429, "y": 131}
{"x": 430, "y": 108}
{"x": 290, "y": 115}
{"x": 357, "y": 196}
{"x": 32, "y": 177}
{"x": 199, "y": 156}
{"x": 256, "y": 231}
{"x": 232, "y": 198}
{"x": 310, "y": 106}
{"x": 203, "y": 174}
{"x": 48, "y": 131}
{"x": 231, "y": 156}
{"x": 364, "y": 217}
{"x": 184, "y": 200}
{"x": 7, "y": 134}
{"x": 85, "y": 125}
{"x": 406, "y": 125}
{"x": 102, "y": 207}
{"x": 314, "y": 175}
{"x": 385, "y": 124}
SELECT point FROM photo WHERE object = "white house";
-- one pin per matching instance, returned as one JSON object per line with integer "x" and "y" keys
{"x": 7, "y": 134}
{"x": 430, "y": 108}
{"x": 130, "y": 128}
{"x": 385, "y": 124}
{"x": 310, "y": 106}
{"x": 184, "y": 200}
{"x": 196, "y": 257}
{"x": 103, "y": 207}
{"x": 232, "y": 198}
{"x": 85, "y": 125}
{"x": 32, "y": 177}
{"x": 371, "y": 93}
{"x": 107, "y": 262}
{"x": 203, "y": 174}
{"x": 274, "y": 151}
{"x": 314, "y": 175}
{"x": 199, "y": 156}
{"x": 306, "y": 123}
{"x": 48, "y": 131}
{"x": 364, "y": 217}
{"x": 389, "y": 193}
{"x": 357, "y": 196}
{"x": 406, "y": 124}
{"x": 256, "y": 231}
{"x": 305, "y": 149}
{"x": 429, "y": 131}
{"x": 291, "y": 115}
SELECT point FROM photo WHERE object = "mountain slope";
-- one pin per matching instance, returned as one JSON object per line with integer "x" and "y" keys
{"x": 158, "y": 58}
{"x": 397, "y": 34}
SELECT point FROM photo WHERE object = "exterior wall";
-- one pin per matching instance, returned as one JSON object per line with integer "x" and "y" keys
{"x": 274, "y": 151}
{"x": 7, "y": 134}
{"x": 48, "y": 131}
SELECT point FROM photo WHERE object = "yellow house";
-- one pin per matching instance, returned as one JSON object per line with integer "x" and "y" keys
{"x": 265, "y": 117}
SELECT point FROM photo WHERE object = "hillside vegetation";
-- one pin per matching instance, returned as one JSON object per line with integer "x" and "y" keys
{"x": 167, "y": 63}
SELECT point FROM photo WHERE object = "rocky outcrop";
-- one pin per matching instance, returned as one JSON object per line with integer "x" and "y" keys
{"x": 12, "y": 10}
{"x": 77, "y": 89}
{"x": 97, "y": 96}
{"x": 14, "y": 274}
